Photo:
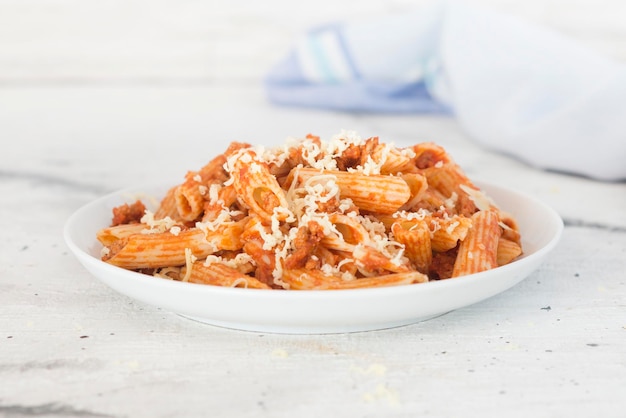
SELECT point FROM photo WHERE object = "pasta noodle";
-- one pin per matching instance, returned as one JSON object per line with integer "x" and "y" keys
{"x": 349, "y": 213}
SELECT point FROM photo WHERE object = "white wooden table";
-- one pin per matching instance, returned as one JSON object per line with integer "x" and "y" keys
{"x": 552, "y": 346}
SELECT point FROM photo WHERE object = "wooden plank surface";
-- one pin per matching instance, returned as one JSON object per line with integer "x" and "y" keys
{"x": 554, "y": 345}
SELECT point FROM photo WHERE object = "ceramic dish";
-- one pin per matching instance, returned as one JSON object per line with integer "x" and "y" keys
{"x": 310, "y": 312}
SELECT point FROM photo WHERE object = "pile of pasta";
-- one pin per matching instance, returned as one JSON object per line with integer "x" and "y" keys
{"x": 346, "y": 213}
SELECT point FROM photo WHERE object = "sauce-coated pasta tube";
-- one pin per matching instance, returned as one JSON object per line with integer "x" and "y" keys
{"x": 374, "y": 193}
{"x": 478, "y": 251}
{"x": 108, "y": 236}
{"x": 218, "y": 274}
{"x": 141, "y": 251}
{"x": 257, "y": 187}
{"x": 350, "y": 233}
{"x": 507, "y": 251}
{"x": 417, "y": 243}
{"x": 314, "y": 280}
{"x": 168, "y": 206}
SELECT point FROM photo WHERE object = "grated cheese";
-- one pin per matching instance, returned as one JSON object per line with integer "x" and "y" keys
{"x": 156, "y": 226}
{"x": 450, "y": 229}
{"x": 419, "y": 215}
{"x": 255, "y": 168}
{"x": 189, "y": 260}
{"x": 407, "y": 152}
{"x": 163, "y": 273}
{"x": 366, "y": 247}
{"x": 236, "y": 262}
{"x": 372, "y": 167}
{"x": 450, "y": 203}
{"x": 480, "y": 198}
{"x": 504, "y": 226}
{"x": 214, "y": 193}
{"x": 304, "y": 199}
{"x": 331, "y": 270}
{"x": 239, "y": 281}
{"x": 224, "y": 217}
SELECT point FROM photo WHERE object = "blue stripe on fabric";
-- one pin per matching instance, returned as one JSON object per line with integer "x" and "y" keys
{"x": 320, "y": 59}
{"x": 343, "y": 45}
{"x": 359, "y": 96}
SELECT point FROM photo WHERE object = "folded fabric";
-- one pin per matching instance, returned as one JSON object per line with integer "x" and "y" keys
{"x": 514, "y": 87}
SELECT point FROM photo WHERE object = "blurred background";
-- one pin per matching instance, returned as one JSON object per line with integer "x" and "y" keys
{"x": 127, "y": 42}
{"x": 80, "y": 77}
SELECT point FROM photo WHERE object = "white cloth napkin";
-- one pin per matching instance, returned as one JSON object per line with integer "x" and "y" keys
{"x": 515, "y": 87}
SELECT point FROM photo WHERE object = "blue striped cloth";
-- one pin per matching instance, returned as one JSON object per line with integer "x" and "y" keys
{"x": 515, "y": 87}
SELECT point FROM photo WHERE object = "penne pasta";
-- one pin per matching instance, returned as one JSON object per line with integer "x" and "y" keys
{"x": 140, "y": 251}
{"x": 314, "y": 280}
{"x": 167, "y": 207}
{"x": 510, "y": 230}
{"x": 256, "y": 187}
{"x": 350, "y": 213}
{"x": 429, "y": 154}
{"x": 417, "y": 243}
{"x": 218, "y": 274}
{"x": 418, "y": 185}
{"x": 189, "y": 200}
{"x": 108, "y": 236}
{"x": 371, "y": 261}
{"x": 373, "y": 193}
{"x": 478, "y": 251}
{"x": 347, "y": 233}
{"x": 448, "y": 231}
{"x": 219, "y": 198}
{"x": 392, "y": 160}
{"x": 507, "y": 251}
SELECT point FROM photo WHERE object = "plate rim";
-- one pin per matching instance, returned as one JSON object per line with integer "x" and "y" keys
{"x": 529, "y": 262}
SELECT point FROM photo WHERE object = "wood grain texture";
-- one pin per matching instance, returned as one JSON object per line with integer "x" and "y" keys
{"x": 69, "y": 346}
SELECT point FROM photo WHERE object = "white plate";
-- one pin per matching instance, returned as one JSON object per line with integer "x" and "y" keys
{"x": 315, "y": 312}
